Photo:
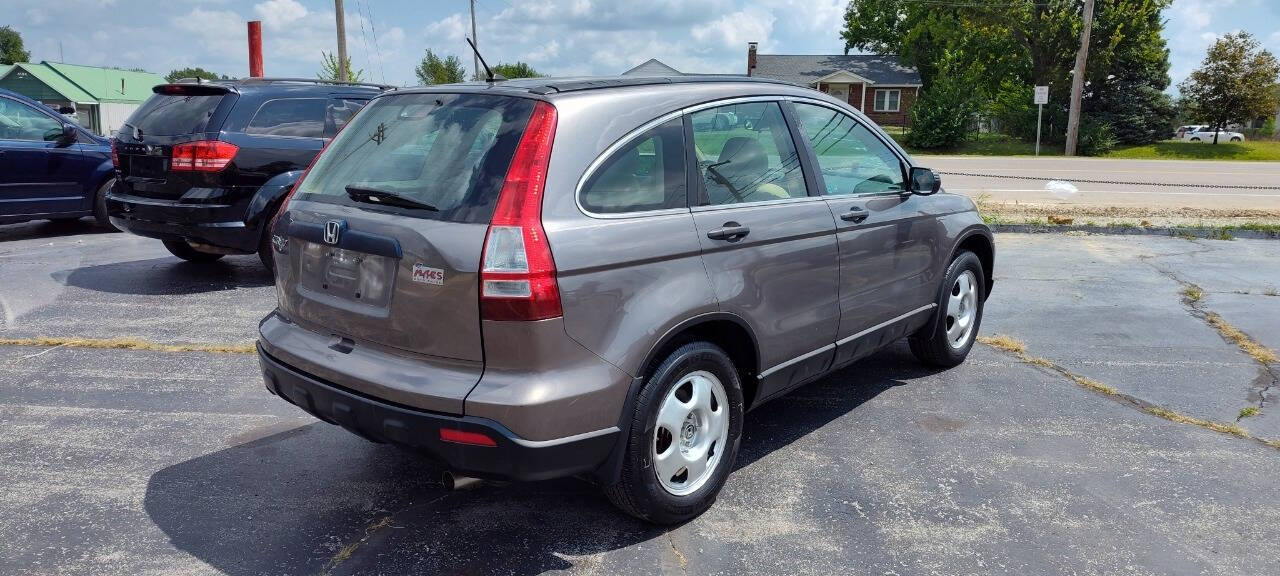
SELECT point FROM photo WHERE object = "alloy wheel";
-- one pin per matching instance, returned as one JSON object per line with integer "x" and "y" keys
{"x": 692, "y": 427}
{"x": 962, "y": 309}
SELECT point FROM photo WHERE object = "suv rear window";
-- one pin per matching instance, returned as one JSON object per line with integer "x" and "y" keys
{"x": 450, "y": 151}
{"x": 174, "y": 114}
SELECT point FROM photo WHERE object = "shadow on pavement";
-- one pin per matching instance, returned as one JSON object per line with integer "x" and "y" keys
{"x": 37, "y": 229}
{"x": 317, "y": 498}
{"x": 164, "y": 276}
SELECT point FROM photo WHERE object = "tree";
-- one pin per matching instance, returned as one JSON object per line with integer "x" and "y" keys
{"x": 517, "y": 70}
{"x": 1235, "y": 83}
{"x": 436, "y": 70}
{"x": 329, "y": 69}
{"x": 11, "y": 49}
{"x": 1017, "y": 44}
{"x": 196, "y": 72}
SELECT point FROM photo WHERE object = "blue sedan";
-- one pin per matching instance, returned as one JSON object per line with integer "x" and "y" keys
{"x": 50, "y": 168}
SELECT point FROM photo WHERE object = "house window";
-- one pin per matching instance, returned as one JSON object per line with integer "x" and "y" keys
{"x": 887, "y": 100}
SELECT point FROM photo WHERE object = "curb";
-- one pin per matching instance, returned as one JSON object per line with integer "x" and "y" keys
{"x": 1205, "y": 233}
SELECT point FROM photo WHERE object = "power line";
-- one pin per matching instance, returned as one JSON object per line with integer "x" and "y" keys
{"x": 364, "y": 38}
{"x": 373, "y": 27}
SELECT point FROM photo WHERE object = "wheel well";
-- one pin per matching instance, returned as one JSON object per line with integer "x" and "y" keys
{"x": 981, "y": 246}
{"x": 727, "y": 334}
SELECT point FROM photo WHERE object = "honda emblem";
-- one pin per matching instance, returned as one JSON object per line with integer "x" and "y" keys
{"x": 333, "y": 231}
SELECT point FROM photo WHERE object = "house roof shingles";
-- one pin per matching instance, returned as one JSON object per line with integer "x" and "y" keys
{"x": 652, "y": 67}
{"x": 807, "y": 69}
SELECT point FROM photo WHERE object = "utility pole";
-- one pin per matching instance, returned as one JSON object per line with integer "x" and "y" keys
{"x": 340, "y": 15}
{"x": 1077, "y": 80}
{"x": 475, "y": 54}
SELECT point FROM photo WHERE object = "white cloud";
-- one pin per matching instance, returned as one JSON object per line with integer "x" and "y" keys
{"x": 276, "y": 14}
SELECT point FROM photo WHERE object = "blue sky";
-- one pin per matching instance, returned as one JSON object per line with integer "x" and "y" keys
{"x": 386, "y": 38}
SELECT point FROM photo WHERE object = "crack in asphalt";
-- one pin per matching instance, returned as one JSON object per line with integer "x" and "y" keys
{"x": 347, "y": 552}
{"x": 1267, "y": 371}
{"x": 1018, "y": 351}
{"x": 684, "y": 562}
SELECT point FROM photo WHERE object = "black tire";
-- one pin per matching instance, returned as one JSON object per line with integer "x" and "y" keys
{"x": 638, "y": 491}
{"x": 1237, "y": 140}
{"x": 1195, "y": 139}
{"x": 930, "y": 344}
{"x": 186, "y": 252}
{"x": 266, "y": 253}
{"x": 100, "y": 205}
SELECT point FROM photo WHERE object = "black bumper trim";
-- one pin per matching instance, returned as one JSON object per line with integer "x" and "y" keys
{"x": 513, "y": 458}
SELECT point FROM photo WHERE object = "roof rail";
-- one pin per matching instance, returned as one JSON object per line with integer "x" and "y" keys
{"x": 553, "y": 85}
{"x": 268, "y": 80}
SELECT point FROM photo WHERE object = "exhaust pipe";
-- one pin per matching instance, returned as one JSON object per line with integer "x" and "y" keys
{"x": 453, "y": 482}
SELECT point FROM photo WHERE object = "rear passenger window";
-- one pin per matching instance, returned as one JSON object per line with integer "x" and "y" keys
{"x": 746, "y": 154}
{"x": 296, "y": 117}
{"x": 646, "y": 174}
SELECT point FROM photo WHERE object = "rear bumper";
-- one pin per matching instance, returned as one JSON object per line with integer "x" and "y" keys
{"x": 220, "y": 225}
{"x": 513, "y": 458}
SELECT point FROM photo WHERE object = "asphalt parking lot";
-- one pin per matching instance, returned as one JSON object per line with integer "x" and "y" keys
{"x": 152, "y": 462}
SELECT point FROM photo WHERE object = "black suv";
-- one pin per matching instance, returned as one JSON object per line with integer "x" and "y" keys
{"x": 203, "y": 166}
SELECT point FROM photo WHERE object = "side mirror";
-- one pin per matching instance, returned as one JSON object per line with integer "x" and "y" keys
{"x": 65, "y": 136}
{"x": 925, "y": 181}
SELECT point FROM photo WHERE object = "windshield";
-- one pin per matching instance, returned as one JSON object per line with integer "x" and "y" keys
{"x": 447, "y": 151}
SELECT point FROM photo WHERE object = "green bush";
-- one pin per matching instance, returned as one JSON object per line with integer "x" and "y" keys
{"x": 943, "y": 114}
{"x": 1096, "y": 138}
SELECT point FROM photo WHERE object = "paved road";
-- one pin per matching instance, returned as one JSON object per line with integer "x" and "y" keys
{"x": 138, "y": 462}
{"x": 1192, "y": 177}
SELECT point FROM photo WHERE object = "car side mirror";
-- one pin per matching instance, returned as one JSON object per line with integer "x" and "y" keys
{"x": 64, "y": 136}
{"x": 925, "y": 181}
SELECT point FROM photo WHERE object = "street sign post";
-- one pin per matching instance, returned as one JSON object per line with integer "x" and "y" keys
{"x": 1042, "y": 98}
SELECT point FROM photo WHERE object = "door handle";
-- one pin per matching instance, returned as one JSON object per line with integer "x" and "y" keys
{"x": 731, "y": 231}
{"x": 855, "y": 215}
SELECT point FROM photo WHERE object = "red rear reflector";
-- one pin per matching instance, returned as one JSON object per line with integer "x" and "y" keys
{"x": 464, "y": 437}
{"x": 203, "y": 156}
{"x": 518, "y": 274}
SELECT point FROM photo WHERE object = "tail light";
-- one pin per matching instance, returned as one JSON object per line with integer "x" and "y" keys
{"x": 518, "y": 275}
{"x": 115, "y": 156}
{"x": 203, "y": 156}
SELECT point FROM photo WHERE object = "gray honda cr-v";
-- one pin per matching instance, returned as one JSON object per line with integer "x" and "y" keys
{"x": 598, "y": 277}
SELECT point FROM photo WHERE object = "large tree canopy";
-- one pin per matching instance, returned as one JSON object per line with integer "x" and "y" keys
{"x": 436, "y": 70}
{"x": 197, "y": 72}
{"x": 1013, "y": 45}
{"x": 517, "y": 70}
{"x": 11, "y": 48}
{"x": 1235, "y": 83}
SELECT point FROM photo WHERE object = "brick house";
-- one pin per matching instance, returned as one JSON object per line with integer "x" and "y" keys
{"x": 880, "y": 86}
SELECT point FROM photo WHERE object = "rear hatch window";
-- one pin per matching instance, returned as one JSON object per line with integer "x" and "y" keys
{"x": 446, "y": 151}
{"x": 175, "y": 114}
{"x": 387, "y": 229}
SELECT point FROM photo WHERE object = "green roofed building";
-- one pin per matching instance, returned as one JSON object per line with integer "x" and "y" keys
{"x": 102, "y": 98}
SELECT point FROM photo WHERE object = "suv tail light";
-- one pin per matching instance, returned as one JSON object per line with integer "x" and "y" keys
{"x": 115, "y": 156}
{"x": 518, "y": 275}
{"x": 203, "y": 156}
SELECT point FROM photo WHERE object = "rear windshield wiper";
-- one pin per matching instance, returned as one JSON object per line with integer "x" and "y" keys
{"x": 386, "y": 198}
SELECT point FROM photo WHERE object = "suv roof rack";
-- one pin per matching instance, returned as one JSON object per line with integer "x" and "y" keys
{"x": 270, "y": 80}
{"x": 558, "y": 85}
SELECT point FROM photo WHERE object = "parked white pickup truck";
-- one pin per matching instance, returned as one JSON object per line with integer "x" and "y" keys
{"x": 1205, "y": 134}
